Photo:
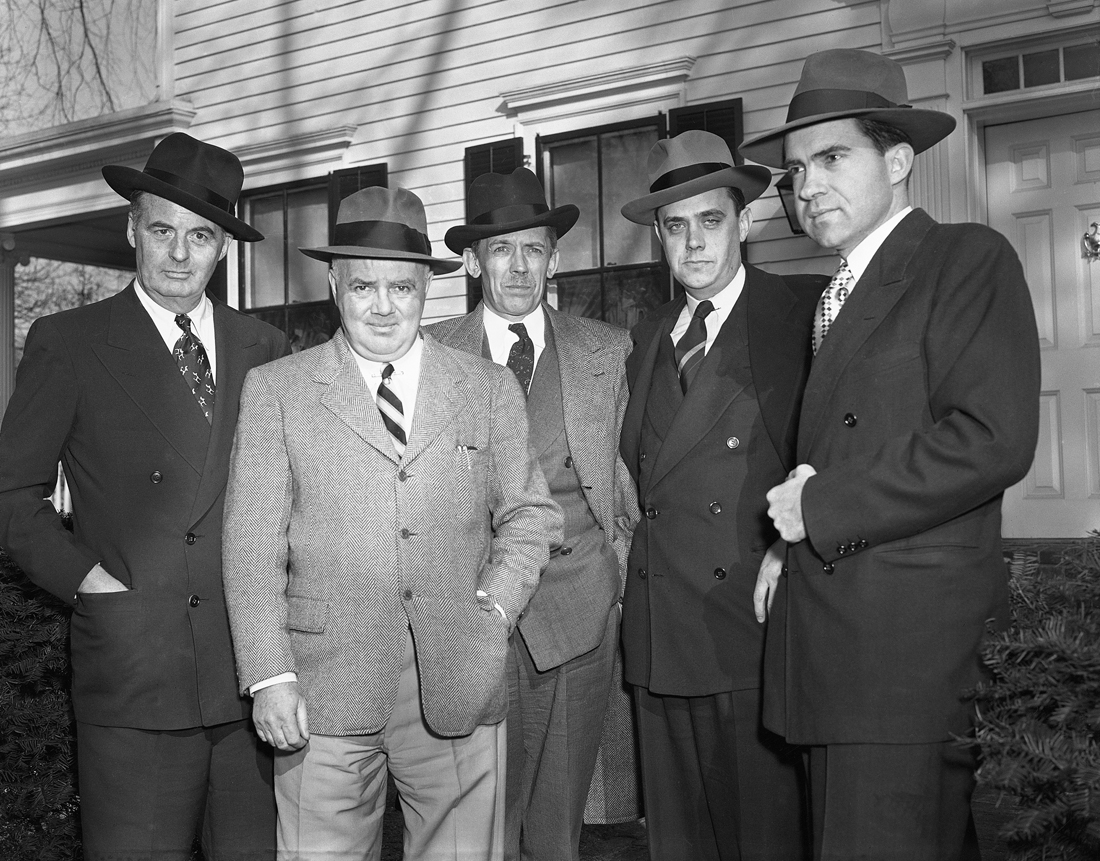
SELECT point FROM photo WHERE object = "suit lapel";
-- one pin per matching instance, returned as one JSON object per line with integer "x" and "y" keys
{"x": 136, "y": 357}
{"x": 440, "y": 394}
{"x": 647, "y": 345}
{"x": 349, "y": 398}
{"x": 879, "y": 288}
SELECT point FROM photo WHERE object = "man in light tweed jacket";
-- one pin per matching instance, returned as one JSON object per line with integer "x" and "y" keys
{"x": 378, "y": 555}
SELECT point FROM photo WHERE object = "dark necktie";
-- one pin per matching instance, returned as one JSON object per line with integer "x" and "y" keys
{"x": 691, "y": 347}
{"x": 393, "y": 414}
{"x": 521, "y": 358}
{"x": 195, "y": 366}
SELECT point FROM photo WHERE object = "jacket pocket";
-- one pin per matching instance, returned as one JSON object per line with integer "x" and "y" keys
{"x": 307, "y": 615}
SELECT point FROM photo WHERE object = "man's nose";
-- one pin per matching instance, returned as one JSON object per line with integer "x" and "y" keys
{"x": 179, "y": 249}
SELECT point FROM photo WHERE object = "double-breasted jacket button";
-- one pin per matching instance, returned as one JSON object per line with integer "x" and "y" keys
{"x": 402, "y": 476}
{"x": 405, "y": 533}
{"x": 842, "y": 549}
{"x": 651, "y": 512}
{"x": 861, "y": 543}
{"x": 569, "y": 461}
{"x": 719, "y": 573}
{"x": 783, "y": 571}
{"x": 190, "y": 538}
{"x": 850, "y": 420}
{"x": 828, "y": 568}
{"x": 641, "y": 573}
{"x": 732, "y": 442}
{"x": 156, "y": 476}
{"x": 408, "y": 594}
{"x": 641, "y": 455}
{"x": 716, "y": 508}
{"x": 194, "y": 600}
{"x": 565, "y": 551}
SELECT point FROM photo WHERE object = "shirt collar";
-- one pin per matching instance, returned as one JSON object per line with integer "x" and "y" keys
{"x": 725, "y": 298}
{"x": 407, "y": 367}
{"x": 199, "y": 315}
{"x": 861, "y": 255}
{"x": 497, "y": 326}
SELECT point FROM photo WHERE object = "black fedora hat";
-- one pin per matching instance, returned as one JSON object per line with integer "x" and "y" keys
{"x": 505, "y": 203}
{"x": 385, "y": 224}
{"x": 842, "y": 83}
{"x": 198, "y": 176}
{"x": 691, "y": 163}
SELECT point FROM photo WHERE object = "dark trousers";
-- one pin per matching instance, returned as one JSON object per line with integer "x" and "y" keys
{"x": 555, "y": 721}
{"x": 717, "y": 785}
{"x": 892, "y": 802}
{"x": 145, "y": 795}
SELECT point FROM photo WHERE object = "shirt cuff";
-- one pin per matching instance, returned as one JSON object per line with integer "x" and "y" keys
{"x": 274, "y": 680}
{"x": 496, "y": 606}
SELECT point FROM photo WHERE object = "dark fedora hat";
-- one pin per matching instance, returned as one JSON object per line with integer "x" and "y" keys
{"x": 691, "y": 163}
{"x": 843, "y": 83}
{"x": 198, "y": 176}
{"x": 385, "y": 224}
{"x": 504, "y": 203}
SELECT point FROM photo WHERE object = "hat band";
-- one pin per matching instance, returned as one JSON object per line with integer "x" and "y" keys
{"x": 686, "y": 174}
{"x": 192, "y": 188}
{"x": 814, "y": 102}
{"x": 389, "y": 235}
{"x": 509, "y": 214}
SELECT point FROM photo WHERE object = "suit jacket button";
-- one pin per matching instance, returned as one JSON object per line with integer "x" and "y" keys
{"x": 402, "y": 476}
{"x": 190, "y": 538}
{"x": 850, "y": 420}
{"x": 828, "y": 568}
{"x": 569, "y": 462}
{"x": 193, "y": 600}
{"x": 641, "y": 456}
{"x": 716, "y": 508}
{"x": 641, "y": 573}
{"x": 565, "y": 551}
{"x": 862, "y": 543}
{"x": 408, "y": 594}
{"x": 156, "y": 476}
{"x": 783, "y": 571}
{"x": 841, "y": 549}
{"x": 733, "y": 442}
{"x": 651, "y": 512}
{"x": 405, "y": 533}
{"x": 719, "y": 573}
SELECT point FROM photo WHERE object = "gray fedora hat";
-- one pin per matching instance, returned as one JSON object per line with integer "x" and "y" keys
{"x": 386, "y": 224}
{"x": 689, "y": 164}
{"x": 842, "y": 83}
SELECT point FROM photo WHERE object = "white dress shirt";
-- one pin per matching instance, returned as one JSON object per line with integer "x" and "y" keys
{"x": 501, "y": 339}
{"x": 202, "y": 324}
{"x": 723, "y": 302}
{"x": 861, "y": 255}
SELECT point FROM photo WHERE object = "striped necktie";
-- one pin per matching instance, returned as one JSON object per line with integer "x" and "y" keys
{"x": 194, "y": 365}
{"x": 393, "y": 415}
{"x": 691, "y": 348}
{"x": 832, "y": 300}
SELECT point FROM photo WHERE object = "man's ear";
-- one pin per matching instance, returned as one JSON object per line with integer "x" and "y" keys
{"x": 552, "y": 266}
{"x": 899, "y": 162}
{"x": 332, "y": 283}
{"x": 225, "y": 246}
{"x": 473, "y": 265}
{"x": 744, "y": 222}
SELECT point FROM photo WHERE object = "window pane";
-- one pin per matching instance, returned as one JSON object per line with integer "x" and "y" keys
{"x": 264, "y": 260}
{"x": 630, "y": 294}
{"x": 572, "y": 178}
{"x": 307, "y": 227}
{"x": 579, "y": 295}
{"x": 1001, "y": 75}
{"x": 1041, "y": 68}
{"x": 625, "y": 178}
{"x": 1082, "y": 61}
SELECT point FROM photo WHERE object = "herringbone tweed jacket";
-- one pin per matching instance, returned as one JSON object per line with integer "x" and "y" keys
{"x": 333, "y": 544}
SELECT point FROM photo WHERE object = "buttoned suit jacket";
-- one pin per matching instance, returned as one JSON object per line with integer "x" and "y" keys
{"x": 920, "y": 409}
{"x": 335, "y": 545}
{"x": 688, "y": 622}
{"x": 567, "y": 616}
{"x": 98, "y": 389}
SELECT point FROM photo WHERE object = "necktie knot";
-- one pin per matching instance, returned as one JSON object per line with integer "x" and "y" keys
{"x": 387, "y": 374}
{"x": 521, "y": 358}
{"x": 703, "y": 309}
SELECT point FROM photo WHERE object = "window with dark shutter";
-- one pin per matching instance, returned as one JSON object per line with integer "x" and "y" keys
{"x": 502, "y": 156}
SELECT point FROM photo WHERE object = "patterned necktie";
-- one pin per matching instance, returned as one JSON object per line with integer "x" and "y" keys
{"x": 691, "y": 347}
{"x": 828, "y": 307}
{"x": 195, "y": 366}
{"x": 393, "y": 414}
{"x": 521, "y": 358}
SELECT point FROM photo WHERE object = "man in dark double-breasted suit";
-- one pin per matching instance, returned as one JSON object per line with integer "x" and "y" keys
{"x": 715, "y": 379}
{"x": 920, "y": 409}
{"x": 573, "y": 371}
{"x": 137, "y": 396}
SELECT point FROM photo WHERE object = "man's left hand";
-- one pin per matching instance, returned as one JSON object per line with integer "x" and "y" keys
{"x": 771, "y": 566}
{"x": 785, "y": 504}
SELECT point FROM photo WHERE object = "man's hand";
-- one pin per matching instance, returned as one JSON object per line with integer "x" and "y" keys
{"x": 785, "y": 504}
{"x": 771, "y": 566}
{"x": 98, "y": 580}
{"x": 279, "y": 712}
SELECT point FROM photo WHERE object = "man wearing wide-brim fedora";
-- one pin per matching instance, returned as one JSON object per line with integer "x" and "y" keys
{"x": 386, "y": 527}
{"x": 920, "y": 409}
{"x": 715, "y": 380}
{"x": 564, "y": 654}
{"x": 137, "y": 397}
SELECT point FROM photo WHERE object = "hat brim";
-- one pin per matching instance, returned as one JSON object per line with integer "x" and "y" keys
{"x": 925, "y": 128}
{"x": 753, "y": 182}
{"x": 326, "y": 253}
{"x": 126, "y": 180}
{"x": 561, "y": 219}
